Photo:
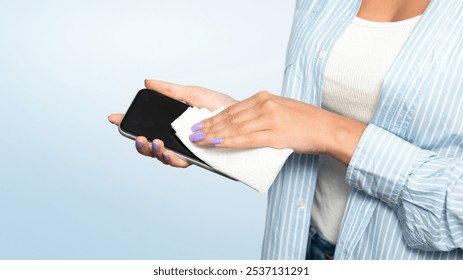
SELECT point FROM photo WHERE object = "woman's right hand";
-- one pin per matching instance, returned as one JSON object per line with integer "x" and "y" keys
{"x": 192, "y": 95}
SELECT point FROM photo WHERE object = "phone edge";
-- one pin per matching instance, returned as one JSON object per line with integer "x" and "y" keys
{"x": 189, "y": 159}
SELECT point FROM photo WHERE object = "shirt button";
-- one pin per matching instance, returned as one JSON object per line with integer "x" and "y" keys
{"x": 300, "y": 204}
{"x": 321, "y": 54}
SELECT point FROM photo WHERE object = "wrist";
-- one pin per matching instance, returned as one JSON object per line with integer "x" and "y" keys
{"x": 345, "y": 133}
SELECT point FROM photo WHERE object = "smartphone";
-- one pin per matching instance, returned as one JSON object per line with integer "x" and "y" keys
{"x": 150, "y": 115}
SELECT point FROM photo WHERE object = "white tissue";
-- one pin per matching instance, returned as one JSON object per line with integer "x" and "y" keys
{"x": 257, "y": 167}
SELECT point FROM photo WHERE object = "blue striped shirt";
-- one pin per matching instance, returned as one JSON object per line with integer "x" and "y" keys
{"x": 406, "y": 173}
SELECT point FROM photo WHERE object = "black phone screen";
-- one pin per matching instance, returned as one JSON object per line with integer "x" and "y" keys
{"x": 151, "y": 115}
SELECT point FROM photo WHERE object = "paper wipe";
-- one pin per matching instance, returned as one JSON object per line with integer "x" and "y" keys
{"x": 256, "y": 167}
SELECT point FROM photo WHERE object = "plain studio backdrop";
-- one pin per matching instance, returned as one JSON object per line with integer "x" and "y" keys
{"x": 71, "y": 187}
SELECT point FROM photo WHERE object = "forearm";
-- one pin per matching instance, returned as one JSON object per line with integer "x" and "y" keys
{"x": 422, "y": 187}
{"x": 342, "y": 137}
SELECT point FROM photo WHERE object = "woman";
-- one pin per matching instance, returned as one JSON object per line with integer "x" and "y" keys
{"x": 373, "y": 108}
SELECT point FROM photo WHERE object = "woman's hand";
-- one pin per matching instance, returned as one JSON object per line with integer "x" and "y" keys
{"x": 274, "y": 121}
{"x": 192, "y": 95}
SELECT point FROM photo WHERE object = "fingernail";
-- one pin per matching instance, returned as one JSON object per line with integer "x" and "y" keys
{"x": 155, "y": 147}
{"x": 139, "y": 144}
{"x": 197, "y": 127}
{"x": 165, "y": 156}
{"x": 216, "y": 141}
{"x": 197, "y": 136}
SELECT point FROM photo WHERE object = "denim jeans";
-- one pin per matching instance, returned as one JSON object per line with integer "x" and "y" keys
{"x": 317, "y": 247}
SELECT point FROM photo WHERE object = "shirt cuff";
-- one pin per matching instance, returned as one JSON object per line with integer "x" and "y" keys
{"x": 382, "y": 163}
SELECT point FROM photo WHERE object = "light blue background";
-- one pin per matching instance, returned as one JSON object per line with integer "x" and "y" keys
{"x": 71, "y": 187}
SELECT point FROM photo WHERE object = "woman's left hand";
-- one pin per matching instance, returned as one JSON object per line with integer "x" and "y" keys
{"x": 266, "y": 120}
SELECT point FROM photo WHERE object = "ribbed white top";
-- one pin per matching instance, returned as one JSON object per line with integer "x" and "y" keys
{"x": 356, "y": 68}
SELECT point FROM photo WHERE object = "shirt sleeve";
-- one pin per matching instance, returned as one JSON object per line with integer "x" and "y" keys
{"x": 423, "y": 188}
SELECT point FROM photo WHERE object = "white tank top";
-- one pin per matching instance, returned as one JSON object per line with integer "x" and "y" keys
{"x": 356, "y": 68}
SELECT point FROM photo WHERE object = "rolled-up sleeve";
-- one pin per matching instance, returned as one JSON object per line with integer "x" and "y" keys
{"x": 423, "y": 188}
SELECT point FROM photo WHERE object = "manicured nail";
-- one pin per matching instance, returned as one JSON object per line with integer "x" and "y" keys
{"x": 197, "y": 127}
{"x": 197, "y": 137}
{"x": 139, "y": 145}
{"x": 216, "y": 141}
{"x": 165, "y": 156}
{"x": 155, "y": 146}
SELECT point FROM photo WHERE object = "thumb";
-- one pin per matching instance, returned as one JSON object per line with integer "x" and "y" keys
{"x": 178, "y": 92}
{"x": 115, "y": 118}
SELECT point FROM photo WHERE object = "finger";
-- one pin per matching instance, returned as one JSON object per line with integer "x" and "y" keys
{"x": 192, "y": 95}
{"x": 252, "y": 140}
{"x": 236, "y": 108}
{"x": 175, "y": 91}
{"x": 143, "y": 147}
{"x": 173, "y": 160}
{"x": 166, "y": 156}
{"x": 159, "y": 151}
{"x": 243, "y": 128}
{"x": 115, "y": 118}
{"x": 244, "y": 121}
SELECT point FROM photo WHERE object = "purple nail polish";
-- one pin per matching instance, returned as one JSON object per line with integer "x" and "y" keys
{"x": 139, "y": 144}
{"x": 216, "y": 141}
{"x": 155, "y": 147}
{"x": 197, "y": 137}
{"x": 197, "y": 127}
{"x": 165, "y": 156}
